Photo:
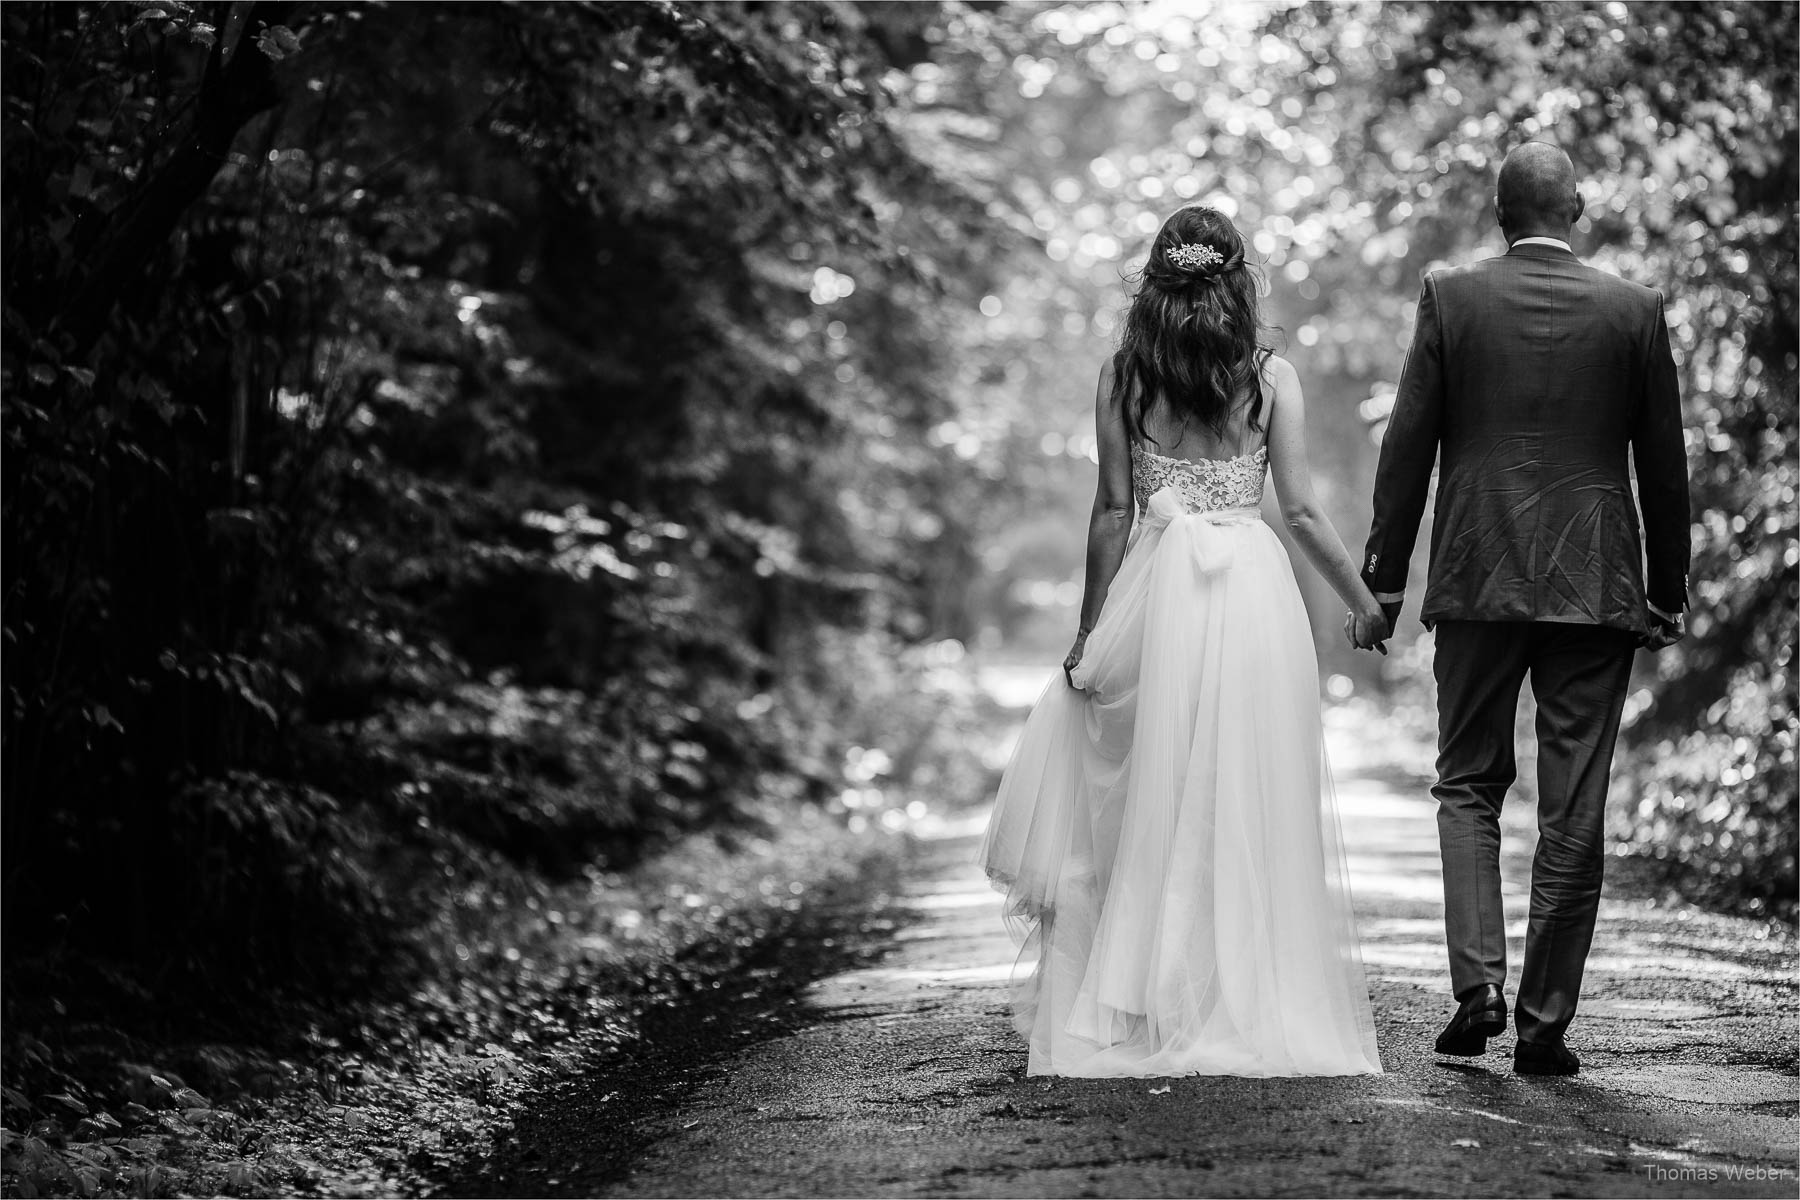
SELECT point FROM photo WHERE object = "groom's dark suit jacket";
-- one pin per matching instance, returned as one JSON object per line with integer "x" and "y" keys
{"x": 1534, "y": 377}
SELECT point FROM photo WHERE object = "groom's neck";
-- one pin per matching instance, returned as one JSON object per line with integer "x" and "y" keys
{"x": 1537, "y": 229}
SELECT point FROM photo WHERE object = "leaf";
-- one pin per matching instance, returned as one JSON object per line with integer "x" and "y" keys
{"x": 1160, "y": 1091}
{"x": 42, "y": 374}
{"x": 277, "y": 42}
{"x": 80, "y": 375}
{"x": 101, "y": 716}
{"x": 101, "y": 1124}
{"x": 1467, "y": 1143}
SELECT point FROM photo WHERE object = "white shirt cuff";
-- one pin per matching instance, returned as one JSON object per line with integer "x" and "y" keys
{"x": 1669, "y": 617}
{"x": 1389, "y": 597}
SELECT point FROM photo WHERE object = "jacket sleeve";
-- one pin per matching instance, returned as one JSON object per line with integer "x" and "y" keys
{"x": 1659, "y": 456}
{"x": 1408, "y": 451}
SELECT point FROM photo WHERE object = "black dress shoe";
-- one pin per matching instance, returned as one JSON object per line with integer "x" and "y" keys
{"x": 1544, "y": 1058}
{"x": 1482, "y": 1016}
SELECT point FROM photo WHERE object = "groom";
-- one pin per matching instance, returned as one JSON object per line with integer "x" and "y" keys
{"x": 1531, "y": 380}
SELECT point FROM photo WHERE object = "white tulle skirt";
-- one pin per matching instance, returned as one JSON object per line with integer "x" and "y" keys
{"x": 1166, "y": 836}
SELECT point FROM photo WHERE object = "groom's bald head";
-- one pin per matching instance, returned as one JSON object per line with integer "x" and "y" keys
{"x": 1536, "y": 196}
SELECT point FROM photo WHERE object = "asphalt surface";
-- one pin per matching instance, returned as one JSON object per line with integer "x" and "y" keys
{"x": 902, "y": 1076}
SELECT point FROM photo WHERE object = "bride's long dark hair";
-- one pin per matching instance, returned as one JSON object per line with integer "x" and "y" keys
{"x": 1193, "y": 333}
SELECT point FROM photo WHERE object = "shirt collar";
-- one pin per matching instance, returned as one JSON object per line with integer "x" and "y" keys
{"x": 1543, "y": 241}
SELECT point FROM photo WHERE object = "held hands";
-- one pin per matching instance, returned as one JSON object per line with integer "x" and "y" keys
{"x": 1369, "y": 625}
{"x": 1664, "y": 634}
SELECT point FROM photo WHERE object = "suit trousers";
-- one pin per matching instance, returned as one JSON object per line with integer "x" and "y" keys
{"x": 1579, "y": 676}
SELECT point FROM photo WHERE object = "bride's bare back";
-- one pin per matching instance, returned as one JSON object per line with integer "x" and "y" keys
{"x": 1167, "y": 433}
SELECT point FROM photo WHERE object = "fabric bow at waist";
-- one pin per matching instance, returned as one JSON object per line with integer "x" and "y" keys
{"x": 1212, "y": 549}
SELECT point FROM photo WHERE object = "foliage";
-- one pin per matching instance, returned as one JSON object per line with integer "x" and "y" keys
{"x": 454, "y": 455}
{"x": 483, "y": 441}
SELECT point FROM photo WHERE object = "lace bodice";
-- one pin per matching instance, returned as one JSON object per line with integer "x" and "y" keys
{"x": 1205, "y": 486}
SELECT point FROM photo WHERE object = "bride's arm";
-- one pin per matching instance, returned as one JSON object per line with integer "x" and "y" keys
{"x": 1109, "y": 524}
{"x": 1311, "y": 528}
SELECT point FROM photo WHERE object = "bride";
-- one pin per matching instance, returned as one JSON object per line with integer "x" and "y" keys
{"x": 1165, "y": 835}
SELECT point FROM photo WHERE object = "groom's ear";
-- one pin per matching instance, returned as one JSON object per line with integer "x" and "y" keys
{"x": 1499, "y": 214}
{"x": 1578, "y": 205}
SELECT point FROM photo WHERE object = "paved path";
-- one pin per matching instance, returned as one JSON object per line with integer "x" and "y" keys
{"x": 910, "y": 1082}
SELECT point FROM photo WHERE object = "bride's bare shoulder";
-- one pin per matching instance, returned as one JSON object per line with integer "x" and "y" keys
{"x": 1278, "y": 371}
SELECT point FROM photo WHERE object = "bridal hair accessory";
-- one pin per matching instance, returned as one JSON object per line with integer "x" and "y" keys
{"x": 1196, "y": 258}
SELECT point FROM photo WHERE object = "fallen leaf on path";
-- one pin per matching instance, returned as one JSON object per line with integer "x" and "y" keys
{"x": 1467, "y": 1143}
{"x": 1161, "y": 1091}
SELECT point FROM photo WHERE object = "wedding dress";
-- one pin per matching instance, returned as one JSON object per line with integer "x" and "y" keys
{"x": 1165, "y": 835}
